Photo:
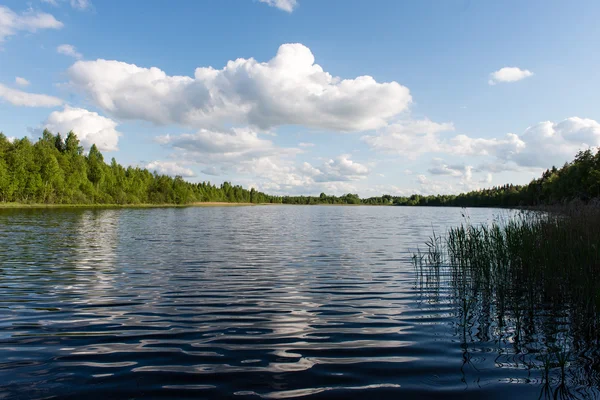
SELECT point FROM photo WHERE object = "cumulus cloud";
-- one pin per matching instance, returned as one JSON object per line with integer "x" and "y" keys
{"x": 338, "y": 169}
{"x": 21, "y": 81}
{"x": 539, "y": 146}
{"x": 25, "y": 99}
{"x": 90, "y": 127}
{"x": 556, "y": 143}
{"x": 409, "y": 138}
{"x": 305, "y": 144}
{"x": 413, "y": 138}
{"x": 280, "y": 176}
{"x": 285, "y": 5}
{"x": 441, "y": 168}
{"x": 241, "y": 150}
{"x": 273, "y": 168}
{"x": 170, "y": 168}
{"x": 277, "y": 173}
{"x": 28, "y": 21}
{"x": 289, "y": 89}
{"x": 68, "y": 50}
{"x": 502, "y": 148}
{"x": 233, "y": 146}
{"x": 508, "y": 74}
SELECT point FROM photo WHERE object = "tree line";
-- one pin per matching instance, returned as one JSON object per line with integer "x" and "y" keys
{"x": 575, "y": 180}
{"x": 57, "y": 171}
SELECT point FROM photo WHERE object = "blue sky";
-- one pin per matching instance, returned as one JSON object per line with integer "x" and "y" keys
{"x": 336, "y": 96}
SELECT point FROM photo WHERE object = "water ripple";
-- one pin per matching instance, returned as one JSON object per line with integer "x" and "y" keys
{"x": 257, "y": 302}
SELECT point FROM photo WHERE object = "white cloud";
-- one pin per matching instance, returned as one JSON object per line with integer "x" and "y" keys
{"x": 540, "y": 146}
{"x": 90, "y": 127}
{"x": 508, "y": 74}
{"x": 339, "y": 169}
{"x": 233, "y": 146}
{"x": 239, "y": 150}
{"x": 331, "y": 176}
{"x": 170, "y": 168}
{"x": 21, "y": 81}
{"x": 413, "y": 138}
{"x": 25, "y": 99}
{"x": 549, "y": 143}
{"x": 272, "y": 168}
{"x": 465, "y": 183}
{"x": 441, "y": 168}
{"x": 81, "y": 4}
{"x": 28, "y": 21}
{"x": 69, "y": 50}
{"x": 502, "y": 148}
{"x": 290, "y": 89}
{"x": 498, "y": 166}
{"x": 285, "y": 5}
{"x": 305, "y": 144}
{"x": 76, "y": 4}
{"x": 409, "y": 138}
{"x": 277, "y": 173}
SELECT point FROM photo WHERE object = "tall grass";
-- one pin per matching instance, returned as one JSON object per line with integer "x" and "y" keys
{"x": 534, "y": 279}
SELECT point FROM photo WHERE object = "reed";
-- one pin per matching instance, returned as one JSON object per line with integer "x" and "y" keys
{"x": 535, "y": 279}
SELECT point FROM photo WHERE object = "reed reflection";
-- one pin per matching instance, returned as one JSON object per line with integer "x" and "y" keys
{"x": 533, "y": 312}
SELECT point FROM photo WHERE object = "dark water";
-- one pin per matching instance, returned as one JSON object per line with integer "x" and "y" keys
{"x": 248, "y": 302}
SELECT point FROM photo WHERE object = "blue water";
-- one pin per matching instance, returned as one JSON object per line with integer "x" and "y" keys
{"x": 240, "y": 302}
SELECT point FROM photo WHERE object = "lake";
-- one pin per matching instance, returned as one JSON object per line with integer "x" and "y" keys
{"x": 250, "y": 302}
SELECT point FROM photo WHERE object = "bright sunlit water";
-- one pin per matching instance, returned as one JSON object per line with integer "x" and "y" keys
{"x": 239, "y": 302}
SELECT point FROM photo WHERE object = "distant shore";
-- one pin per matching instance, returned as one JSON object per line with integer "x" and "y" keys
{"x": 166, "y": 205}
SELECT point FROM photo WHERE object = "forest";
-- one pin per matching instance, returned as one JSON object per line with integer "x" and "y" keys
{"x": 54, "y": 170}
{"x": 575, "y": 180}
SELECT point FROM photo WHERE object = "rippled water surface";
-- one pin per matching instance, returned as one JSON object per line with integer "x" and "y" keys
{"x": 238, "y": 302}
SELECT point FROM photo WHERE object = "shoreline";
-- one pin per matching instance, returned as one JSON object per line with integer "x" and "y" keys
{"x": 15, "y": 206}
